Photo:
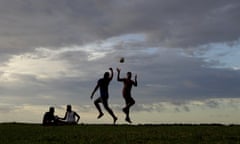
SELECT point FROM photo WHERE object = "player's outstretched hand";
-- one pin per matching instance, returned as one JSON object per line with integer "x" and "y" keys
{"x": 118, "y": 69}
{"x": 110, "y": 69}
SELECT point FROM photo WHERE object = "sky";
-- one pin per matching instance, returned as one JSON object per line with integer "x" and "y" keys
{"x": 184, "y": 52}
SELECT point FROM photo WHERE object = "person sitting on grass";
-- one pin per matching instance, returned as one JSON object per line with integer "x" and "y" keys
{"x": 49, "y": 118}
{"x": 71, "y": 117}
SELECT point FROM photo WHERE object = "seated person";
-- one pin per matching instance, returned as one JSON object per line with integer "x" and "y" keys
{"x": 70, "y": 116}
{"x": 49, "y": 118}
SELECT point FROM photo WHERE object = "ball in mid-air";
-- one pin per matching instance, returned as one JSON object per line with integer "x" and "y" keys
{"x": 121, "y": 60}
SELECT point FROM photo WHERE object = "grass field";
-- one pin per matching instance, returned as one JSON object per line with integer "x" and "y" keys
{"x": 14, "y": 133}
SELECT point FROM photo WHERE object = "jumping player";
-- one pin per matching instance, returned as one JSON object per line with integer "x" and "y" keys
{"x": 126, "y": 92}
{"x": 103, "y": 84}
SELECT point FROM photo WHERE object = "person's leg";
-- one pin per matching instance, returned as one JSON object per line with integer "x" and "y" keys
{"x": 59, "y": 122}
{"x": 96, "y": 102}
{"x": 129, "y": 102}
{"x": 105, "y": 104}
{"x": 125, "y": 109}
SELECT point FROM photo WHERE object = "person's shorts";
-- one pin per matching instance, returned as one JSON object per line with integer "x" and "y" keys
{"x": 103, "y": 100}
{"x": 129, "y": 99}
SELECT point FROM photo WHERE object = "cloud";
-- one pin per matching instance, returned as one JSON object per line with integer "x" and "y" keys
{"x": 29, "y": 24}
{"x": 189, "y": 106}
{"x": 53, "y": 52}
{"x": 6, "y": 108}
{"x": 68, "y": 75}
{"x": 222, "y": 54}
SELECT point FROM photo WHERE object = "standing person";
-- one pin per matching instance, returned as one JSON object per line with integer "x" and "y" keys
{"x": 126, "y": 92}
{"x": 103, "y": 84}
{"x": 71, "y": 117}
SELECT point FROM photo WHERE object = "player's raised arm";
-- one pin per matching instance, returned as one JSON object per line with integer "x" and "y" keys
{"x": 118, "y": 75}
{"x": 111, "y": 74}
{"x": 135, "y": 81}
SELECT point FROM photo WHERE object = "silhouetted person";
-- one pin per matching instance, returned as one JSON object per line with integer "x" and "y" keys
{"x": 103, "y": 84}
{"x": 49, "y": 118}
{"x": 126, "y": 92}
{"x": 71, "y": 117}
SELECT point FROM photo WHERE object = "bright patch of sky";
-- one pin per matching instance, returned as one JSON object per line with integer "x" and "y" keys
{"x": 41, "y": 63}
{"x": 45, "y": 62}
{"x": 220, "y": 55}
{"x": 27, "y": 65}
{"x": 99, "y": 49}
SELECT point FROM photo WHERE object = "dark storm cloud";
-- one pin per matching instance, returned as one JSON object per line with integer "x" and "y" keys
{"x": 190, "y": 23}
{"x": 28, "y": 23}
{"x": 172, "y": 77}
{"x": 29, "y": 89}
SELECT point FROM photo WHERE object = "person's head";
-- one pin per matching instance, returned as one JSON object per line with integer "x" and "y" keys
{"x": 106, "y": 75}
{"x": 69, "y": 108}
{"x": 129, "y": 75}
{"x": 51, "y": 110}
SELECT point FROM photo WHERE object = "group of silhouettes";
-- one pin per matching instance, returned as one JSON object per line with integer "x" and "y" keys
{"x": 72, "y": 117}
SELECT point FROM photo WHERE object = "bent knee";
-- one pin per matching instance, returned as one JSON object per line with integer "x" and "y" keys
{"x": 133, "y": 102}
{"x": 96, "y": 102}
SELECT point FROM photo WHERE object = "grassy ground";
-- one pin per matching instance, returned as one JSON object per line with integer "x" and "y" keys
{"x": 119, "y": 134}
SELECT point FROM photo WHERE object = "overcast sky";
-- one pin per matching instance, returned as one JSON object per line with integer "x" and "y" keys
{"x": 185, "y": 53}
